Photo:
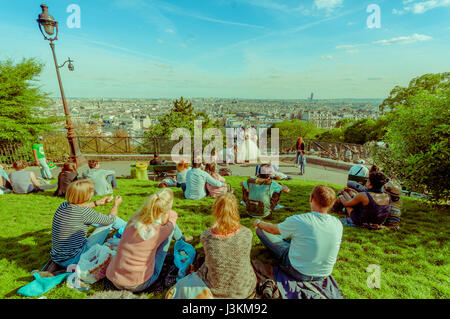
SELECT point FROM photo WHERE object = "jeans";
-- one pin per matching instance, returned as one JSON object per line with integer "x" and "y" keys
{"x": 183, "y": 187}
{"x": 45, "y": 170}
{"x": 97, "y": 237}
{"x": 111, "y": 179}
{"x": 280, "y": 247}
{"x": 160, "y": 256}
{"x": 302, "y": 162}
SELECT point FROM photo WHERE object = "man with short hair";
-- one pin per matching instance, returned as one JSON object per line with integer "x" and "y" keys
{"x": 156, "y": 160}
{"x": 196, "y": 180}
{"x": 104, "y": 180}
{"x": 40, "y": 160}
{"x": 306, "y": 245}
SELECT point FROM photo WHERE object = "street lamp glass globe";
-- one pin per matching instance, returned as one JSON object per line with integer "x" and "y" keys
{"x": 47, "y": 21}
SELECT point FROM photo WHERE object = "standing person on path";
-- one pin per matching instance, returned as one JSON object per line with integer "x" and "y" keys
{"x": 301, "y": 158}
{"x": 39, "y": 156}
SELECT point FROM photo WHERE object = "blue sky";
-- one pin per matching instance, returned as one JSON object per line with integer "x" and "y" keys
{"x": 233, "y": 48}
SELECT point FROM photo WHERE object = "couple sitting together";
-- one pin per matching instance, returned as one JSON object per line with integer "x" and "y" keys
{"x": 197, "y": 183}
{"x": 306, "y": 245}
{"x": 375, "y": 205}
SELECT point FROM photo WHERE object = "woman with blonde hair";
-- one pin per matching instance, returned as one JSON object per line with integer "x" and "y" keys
{"x": 227, "y": 270}
{"x": 144, "y": 243}
{"x": 73, "y": 218}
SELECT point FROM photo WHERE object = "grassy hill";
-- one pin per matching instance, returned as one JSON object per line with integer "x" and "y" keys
{"x": 414, "y": 261}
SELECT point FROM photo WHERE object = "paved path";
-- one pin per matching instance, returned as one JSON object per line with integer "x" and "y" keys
{"x": 313, "y": 172}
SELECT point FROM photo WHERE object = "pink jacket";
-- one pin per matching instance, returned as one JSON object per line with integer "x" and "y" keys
{"x": 216, "y": 191}
{"x": 134, "y": 261}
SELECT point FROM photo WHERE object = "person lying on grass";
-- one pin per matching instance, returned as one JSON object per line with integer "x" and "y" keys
{"x": 227, "y": 270}
{"x": 144, "y": 243}
{"x": 306, "y": 245}
{"x": 73, "y": 218}
{"x": 370, "y": 206}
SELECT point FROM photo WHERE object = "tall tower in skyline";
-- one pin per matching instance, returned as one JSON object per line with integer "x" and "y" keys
{"x": 312, "y": 96}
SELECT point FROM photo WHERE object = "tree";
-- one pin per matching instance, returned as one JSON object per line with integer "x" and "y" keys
{"x": 359, "y": 132}
{"x": 429, "y": 82}
{"x": 296, "y": 129}
{"x": 418, "y": 139}
{"x": 182, "y": 115}
{"x": 22, "y": 102}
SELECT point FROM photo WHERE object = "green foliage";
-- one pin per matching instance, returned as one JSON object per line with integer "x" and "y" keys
{"x": 297, "y": 128}
{"x": 333, "y": 135}
{"x": 419, "y": 144}
{"x": 20, "y": 102}
{"x": 182, "y": 115}
{"x": 429, "y": 82}
{"x": 359, "y": 132}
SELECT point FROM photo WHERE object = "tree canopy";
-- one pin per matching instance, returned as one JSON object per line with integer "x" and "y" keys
{"x": 428, "y": 82}
{"x": 22, "y": 101}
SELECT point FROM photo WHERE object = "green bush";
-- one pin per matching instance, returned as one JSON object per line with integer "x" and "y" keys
{"x": 418, "y": 142}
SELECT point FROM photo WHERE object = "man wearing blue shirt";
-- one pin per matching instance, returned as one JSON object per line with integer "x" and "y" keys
{"x": 306, "y": 245}
{"x": 196, "y": 180}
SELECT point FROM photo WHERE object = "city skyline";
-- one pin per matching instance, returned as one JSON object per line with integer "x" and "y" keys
{"x": 243, "y": 49}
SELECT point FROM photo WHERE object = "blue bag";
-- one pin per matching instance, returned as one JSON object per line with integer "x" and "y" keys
{"x": 41, "y": 285}
{"x": 184, "y": 255}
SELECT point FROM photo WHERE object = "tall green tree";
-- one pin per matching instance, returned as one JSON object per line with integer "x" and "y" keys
{"x": 22, "y": 101}
{"x": 418, "y": 139}
{"x": 428, "y": 82}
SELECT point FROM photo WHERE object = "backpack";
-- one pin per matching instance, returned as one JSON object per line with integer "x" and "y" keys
{"x": 258, "y": 198}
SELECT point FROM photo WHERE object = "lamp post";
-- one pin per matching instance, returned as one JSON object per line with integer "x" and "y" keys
{"x": 48, "y": 23}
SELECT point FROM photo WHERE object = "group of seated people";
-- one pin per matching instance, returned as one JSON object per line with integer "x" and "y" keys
{"x": 21, "y": 181}
{"x": 305, "y": 245}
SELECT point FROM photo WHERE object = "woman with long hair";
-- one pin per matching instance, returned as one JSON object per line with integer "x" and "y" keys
{"x": 144, "y": 243}
{"x": 301, "y": 158}
{"x": 214, "y": 191}
{"x": 68, "y": 175}
{"x": 227, "y": 270}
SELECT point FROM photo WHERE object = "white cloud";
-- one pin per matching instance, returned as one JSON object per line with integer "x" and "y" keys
{"x": 170, "y": 31}
{"x": 405, "y": 40}
{"x": 355, "y": 51}
{"x": 421, "y": 7}
{"x": 327, "y": 57}
{"x": 328, "y": 5}
{"x": 347, "y": 46}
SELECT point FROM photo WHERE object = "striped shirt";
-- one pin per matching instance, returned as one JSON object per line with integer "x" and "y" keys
{"x": 69, "y": 228}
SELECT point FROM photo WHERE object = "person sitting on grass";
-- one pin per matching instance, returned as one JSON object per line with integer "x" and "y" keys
{"x": 214, "y": 191}
{"x": 67, "y": 175}
{"x": 227, "y": 269}
{"x": 5, "y": 184}
{"x": 261, "y": 195}
{"x": 25, "y": 182}
{"x": 104, "y": 180}
{"x": 73, "y": 218}
{"x": 370, "y": 206}
{"x": 182, "y": 169}
{"x": 196, "y": 180}
{"x": 306, "y": 245}
{"x": 144, "y": 244}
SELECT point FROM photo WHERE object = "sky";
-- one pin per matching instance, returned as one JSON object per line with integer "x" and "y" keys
{"x": 264, "y": 49}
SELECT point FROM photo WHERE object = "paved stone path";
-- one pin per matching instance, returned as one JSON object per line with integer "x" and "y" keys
{"x": 312, "y": 172}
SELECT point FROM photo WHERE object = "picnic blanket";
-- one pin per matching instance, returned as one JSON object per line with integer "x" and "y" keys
{"x": 289, "y": 288}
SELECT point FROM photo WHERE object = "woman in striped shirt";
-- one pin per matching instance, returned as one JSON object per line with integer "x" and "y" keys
{"x": 73, "y": 218}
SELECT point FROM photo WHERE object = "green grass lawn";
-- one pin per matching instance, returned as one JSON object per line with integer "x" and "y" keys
{"x": 414, "y": 261}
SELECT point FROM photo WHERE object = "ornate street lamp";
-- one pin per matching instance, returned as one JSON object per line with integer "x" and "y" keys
{"x": 50, "y": 28}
